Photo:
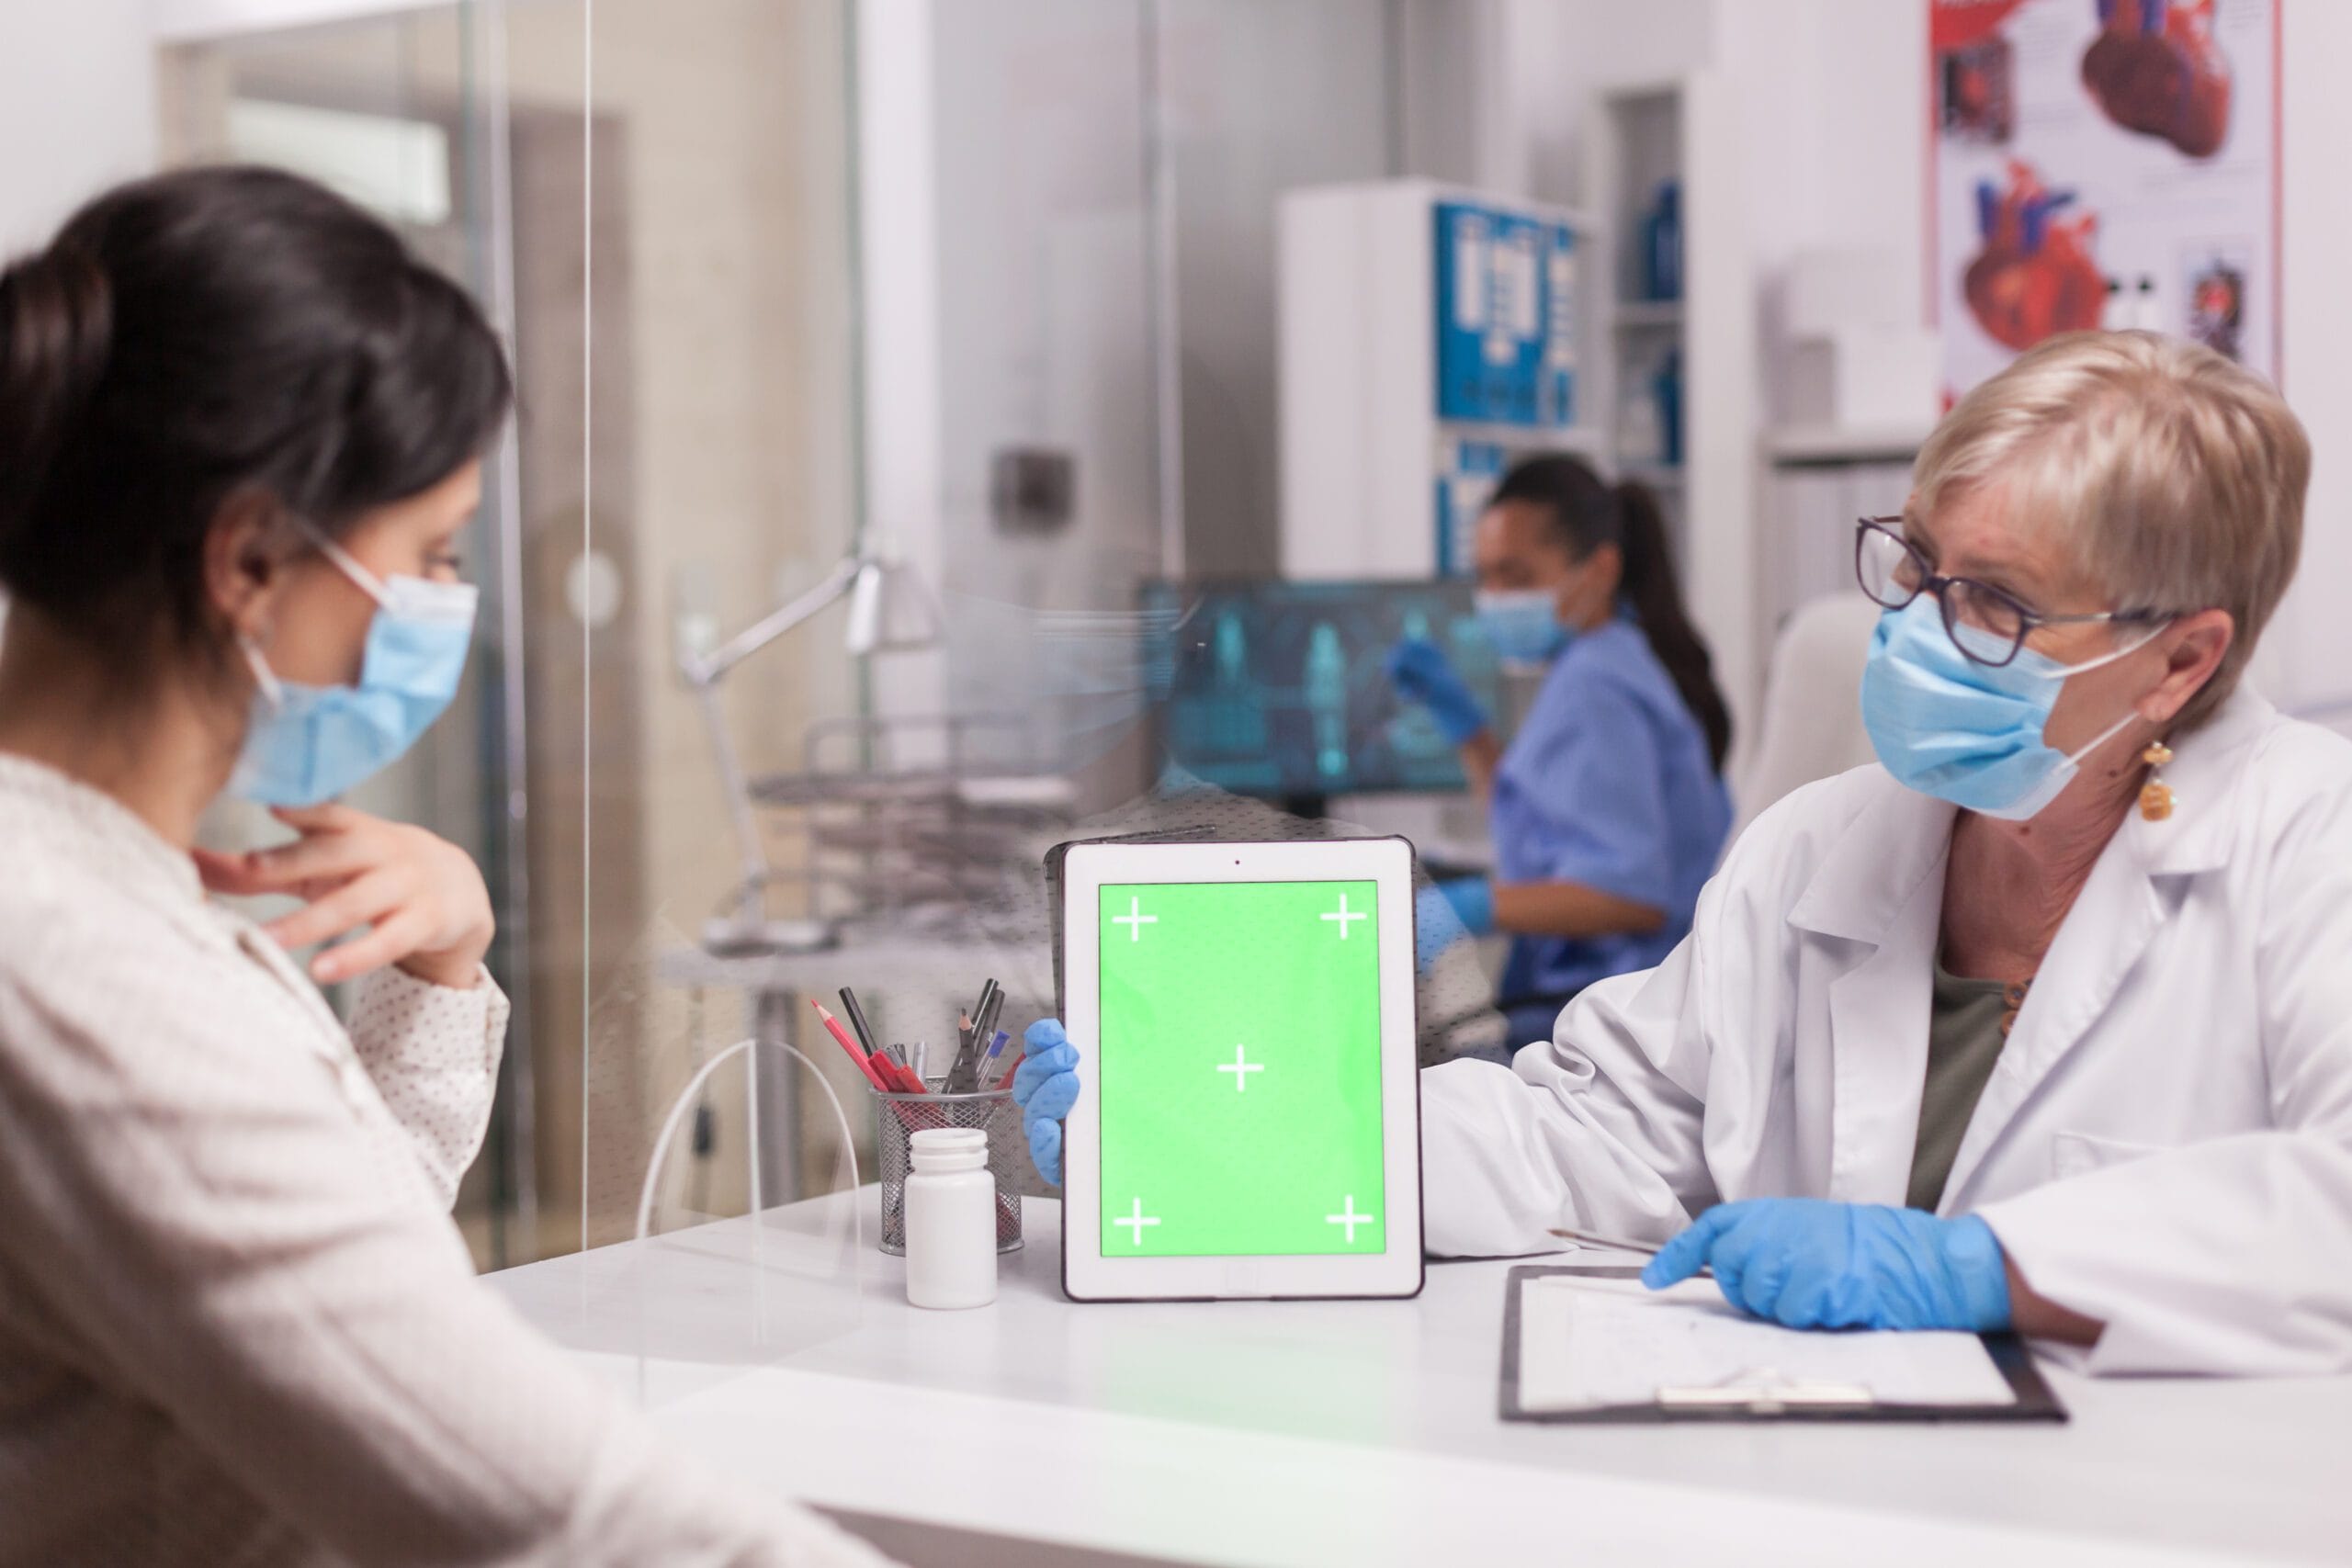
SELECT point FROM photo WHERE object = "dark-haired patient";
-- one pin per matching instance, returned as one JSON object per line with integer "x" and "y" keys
{"x": 240, "y": 439}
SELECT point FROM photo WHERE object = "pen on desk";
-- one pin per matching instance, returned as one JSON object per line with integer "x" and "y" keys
{"x": 1621, "y": 1243}
{"x": 857, "y": 1019}
{"x": 1595, "y": 1238}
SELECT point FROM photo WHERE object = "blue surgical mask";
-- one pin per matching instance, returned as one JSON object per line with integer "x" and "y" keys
{"x": 1965, "y": 732}
{"x": 1524, "y": 623}
{"x": 307, "y": 744}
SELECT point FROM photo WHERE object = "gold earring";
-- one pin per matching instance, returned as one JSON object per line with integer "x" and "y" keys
{"x": 2155, "y": 796}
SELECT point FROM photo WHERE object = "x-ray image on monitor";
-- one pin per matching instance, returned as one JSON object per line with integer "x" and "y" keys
{"x": 1281, "y": 689}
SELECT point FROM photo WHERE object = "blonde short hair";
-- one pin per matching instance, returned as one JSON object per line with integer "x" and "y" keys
{"x": 2170, "y": 477}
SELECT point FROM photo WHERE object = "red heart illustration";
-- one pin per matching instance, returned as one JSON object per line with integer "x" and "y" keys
{"x": 2035, "y": 277}
{"x": 2154, "y": 69}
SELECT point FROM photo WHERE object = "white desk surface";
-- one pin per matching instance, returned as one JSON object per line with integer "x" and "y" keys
{"x": 1366, "y": 1433}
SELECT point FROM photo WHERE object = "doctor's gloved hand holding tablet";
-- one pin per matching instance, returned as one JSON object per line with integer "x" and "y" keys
{"x": 1252, "y": 1129}
{"x": 1045, "y": 1086}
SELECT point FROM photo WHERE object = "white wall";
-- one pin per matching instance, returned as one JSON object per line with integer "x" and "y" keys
{"x": 2311, "y": 643}
{"x": 185, "y": 21}
{"x": 78, "y": 107}
{"x": 898, "y": 289}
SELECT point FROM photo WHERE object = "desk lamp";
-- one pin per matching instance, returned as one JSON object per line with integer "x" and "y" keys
{"x": 889, "y": 611}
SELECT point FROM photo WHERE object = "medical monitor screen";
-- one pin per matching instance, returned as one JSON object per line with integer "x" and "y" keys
{"x": 1280, "y": 689}
{"x": 1240, "y": 1069}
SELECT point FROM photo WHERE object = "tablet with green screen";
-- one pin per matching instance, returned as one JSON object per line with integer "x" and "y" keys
{"x": 1250, "y": 1125}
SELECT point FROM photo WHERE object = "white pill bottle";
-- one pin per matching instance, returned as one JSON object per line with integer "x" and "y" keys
{"x": 951, "y": 1220}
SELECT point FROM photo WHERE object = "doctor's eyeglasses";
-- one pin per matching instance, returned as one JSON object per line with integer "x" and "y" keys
{"x": 1986, "y": 624}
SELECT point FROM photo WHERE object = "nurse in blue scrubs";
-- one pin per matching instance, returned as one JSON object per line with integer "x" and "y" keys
{"x": 1608, "y": 808}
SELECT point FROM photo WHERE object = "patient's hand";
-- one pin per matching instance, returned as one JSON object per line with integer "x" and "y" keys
{"x": 421, "y": 896}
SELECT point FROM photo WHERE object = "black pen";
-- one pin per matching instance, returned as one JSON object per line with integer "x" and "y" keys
{"x": 984, "y": 1022}
{"x": 857, "y": 1019}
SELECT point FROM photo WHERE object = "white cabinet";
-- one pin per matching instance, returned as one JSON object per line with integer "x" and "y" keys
{"x": 1428, "y": 335}
{"x": 1638, "y": 139}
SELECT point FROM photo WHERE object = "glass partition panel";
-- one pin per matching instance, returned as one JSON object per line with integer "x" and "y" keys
{"x": 722, "y": 489}
{"x": 889, "y": 375}
{"x": 932, "y": 352}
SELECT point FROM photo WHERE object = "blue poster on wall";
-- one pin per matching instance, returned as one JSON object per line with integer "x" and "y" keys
{"x": 1506, "y": 318}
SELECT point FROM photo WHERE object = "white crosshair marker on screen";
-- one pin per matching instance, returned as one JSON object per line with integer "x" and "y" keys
{"x": 1242, "y": 1066}
{"x": 1134, "y": 919}
{"x": 1346, "y": 917}
{"x": 1136, "y": 1219}
{"x": 1350, "y": 1219}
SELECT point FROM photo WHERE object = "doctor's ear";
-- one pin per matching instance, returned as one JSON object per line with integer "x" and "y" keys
{"x": 2193, "y": 648}
{"x": 245, "y": 562}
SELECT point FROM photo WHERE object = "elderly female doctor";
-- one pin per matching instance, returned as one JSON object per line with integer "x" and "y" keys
{"x": 2046, "y": 1023}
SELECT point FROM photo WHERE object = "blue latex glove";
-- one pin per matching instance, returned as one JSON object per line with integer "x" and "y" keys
{"x": 1419, "y": 668}
{"x": 1809, "y": 1263}
{"x": 1045, "y": 1086}
{"x": 1472, "y": 898}
{"x": 1435, "y": 928}
{"x": 1449, "y": 912}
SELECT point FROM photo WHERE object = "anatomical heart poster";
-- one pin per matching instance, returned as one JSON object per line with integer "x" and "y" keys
{"x": 2103, "y": 162}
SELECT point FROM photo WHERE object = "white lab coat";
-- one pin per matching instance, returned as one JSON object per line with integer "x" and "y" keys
{"x": 2166, "y": 1143}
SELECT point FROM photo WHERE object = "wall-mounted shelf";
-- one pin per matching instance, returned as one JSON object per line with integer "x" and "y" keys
{"x": 1653, "y": 315}
{"x": 1584, "y": 440}
{"x": 1820, "y": 444}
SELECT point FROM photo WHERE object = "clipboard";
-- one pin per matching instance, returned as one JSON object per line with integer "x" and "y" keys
{"x": 1773, "y": 1402}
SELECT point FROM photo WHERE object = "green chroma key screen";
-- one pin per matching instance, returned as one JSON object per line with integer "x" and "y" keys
{"x": 1240, "y": 1069}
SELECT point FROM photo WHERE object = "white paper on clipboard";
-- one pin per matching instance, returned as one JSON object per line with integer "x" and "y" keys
{"x": 1593, "y": 1344}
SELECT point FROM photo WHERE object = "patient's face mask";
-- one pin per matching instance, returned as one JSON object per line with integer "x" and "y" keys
{"x": 1967, "y": 733}
{"x": 307, "y": 744}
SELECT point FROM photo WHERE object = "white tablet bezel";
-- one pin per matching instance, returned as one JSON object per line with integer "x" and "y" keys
{"x": 1086, "y": 1274}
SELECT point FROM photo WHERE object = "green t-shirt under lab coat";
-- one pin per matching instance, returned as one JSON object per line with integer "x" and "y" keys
{"x": 1964, "y": 1040}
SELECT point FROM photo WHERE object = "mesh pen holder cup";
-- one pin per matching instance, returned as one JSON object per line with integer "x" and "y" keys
{"x": 897, "y": 1117}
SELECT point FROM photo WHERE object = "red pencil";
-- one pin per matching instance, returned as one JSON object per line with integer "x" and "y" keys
{"x": 865, "y": 1063}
